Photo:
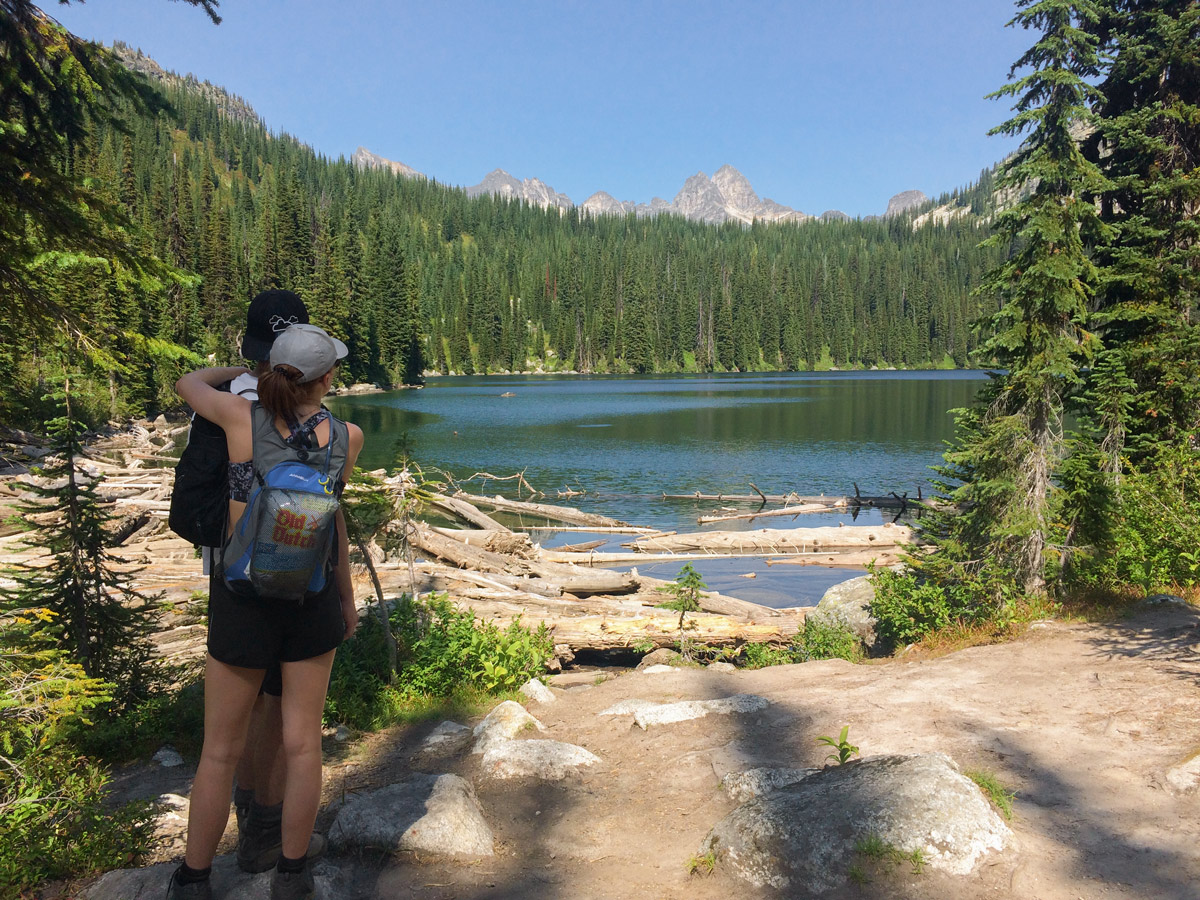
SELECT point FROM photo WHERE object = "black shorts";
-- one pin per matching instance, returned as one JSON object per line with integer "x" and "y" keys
{"x": 261, "y": 633}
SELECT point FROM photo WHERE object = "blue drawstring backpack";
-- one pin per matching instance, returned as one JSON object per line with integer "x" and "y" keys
{"x": 280, "y": 547}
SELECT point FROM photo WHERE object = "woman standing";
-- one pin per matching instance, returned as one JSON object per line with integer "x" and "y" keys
{"x": 247, "y": 632}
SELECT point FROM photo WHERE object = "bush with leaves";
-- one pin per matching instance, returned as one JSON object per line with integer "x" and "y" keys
{"x": 444, "y": 652}
{"x": 830, "y": 637}
{"x": 1155, "y": 526}
{"x": 53, "y": 819}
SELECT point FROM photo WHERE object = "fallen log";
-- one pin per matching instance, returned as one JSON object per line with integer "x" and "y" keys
{"x": 572, "y": 579}
{"x": 662, "y": 630}
{"x": 780, "y": 541}
{"x": 458, "y": 508}
{"x": 512, "y": 543}
{"x": 786, "y": 511}
{"x": 543, "y": 510}
{"x": 883, "y": 556}
{"x": 581, "y": 547}
{"x": 837, "y": 557}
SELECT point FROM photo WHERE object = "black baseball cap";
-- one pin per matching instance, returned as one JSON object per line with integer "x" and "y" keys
{"x": 270, "y": 313}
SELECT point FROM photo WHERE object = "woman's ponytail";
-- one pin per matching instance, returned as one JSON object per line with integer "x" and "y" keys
{"x": 281, "y": 392}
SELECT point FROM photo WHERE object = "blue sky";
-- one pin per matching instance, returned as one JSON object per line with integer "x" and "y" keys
{"x": 822, "y": 104}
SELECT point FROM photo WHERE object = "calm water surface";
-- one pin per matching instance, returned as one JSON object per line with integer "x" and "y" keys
{"x": 627, "y": 440}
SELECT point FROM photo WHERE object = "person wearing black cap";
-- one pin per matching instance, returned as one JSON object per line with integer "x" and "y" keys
{"x": 199, "y": 514}
{"x": 259, "y": 780}
{"x": 250, "y": 631}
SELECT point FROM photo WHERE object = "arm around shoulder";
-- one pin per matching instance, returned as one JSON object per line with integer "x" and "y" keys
{"x": 199, "y": 390}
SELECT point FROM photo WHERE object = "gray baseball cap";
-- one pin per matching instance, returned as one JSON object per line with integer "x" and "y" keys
{"x": 309, "y": 349}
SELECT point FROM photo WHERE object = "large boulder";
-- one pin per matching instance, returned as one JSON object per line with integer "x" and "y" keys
{"x": 646, "y": 712}
{"x": 503, "y": 723}
{"x": 806, "y": 833}
{"x": 847, "y": 606}
{"x": 446, "y": 740}
{"x": 544, "y": 760}
{"x": 431, "y": 813}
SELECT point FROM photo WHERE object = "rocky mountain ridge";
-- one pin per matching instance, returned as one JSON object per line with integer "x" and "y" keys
{"x": 230, "y": 105}
{"x": 726, "y": 196}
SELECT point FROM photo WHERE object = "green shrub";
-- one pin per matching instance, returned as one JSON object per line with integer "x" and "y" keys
{"x": 759, "y": 656}
{"x": 1153, "y": 542}
{"x": 53, "y": 821}
{"x": 828, "y": 636}
{"x": 443, "y": 653}
{"x": 167, "y": 717}
{"x": 905, "y": 610}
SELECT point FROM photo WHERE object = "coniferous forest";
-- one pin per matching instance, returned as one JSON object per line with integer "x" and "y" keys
{"x": 418, "y": 278}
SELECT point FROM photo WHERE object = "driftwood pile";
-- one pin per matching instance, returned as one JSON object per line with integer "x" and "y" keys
{"x": 482, "y": 563}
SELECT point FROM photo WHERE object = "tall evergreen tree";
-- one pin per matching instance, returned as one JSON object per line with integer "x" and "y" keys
{"x": 1010, "y": 450}
{"x": 95, "y": 614}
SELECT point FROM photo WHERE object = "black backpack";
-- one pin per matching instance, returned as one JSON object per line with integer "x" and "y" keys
{"x": 200, "y": 498}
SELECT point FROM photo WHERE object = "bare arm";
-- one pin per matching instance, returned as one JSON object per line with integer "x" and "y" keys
{"x": 199, "y": 390}
{"x": 341, "y": 572}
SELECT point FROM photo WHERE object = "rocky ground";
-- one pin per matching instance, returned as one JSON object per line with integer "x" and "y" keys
{"x": 1095, "y": 726}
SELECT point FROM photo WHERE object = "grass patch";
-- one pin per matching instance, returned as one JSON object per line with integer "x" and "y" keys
{"x": 875, "y": 848}
{"x": 702, "y": 864}
{"x": 1001, "y": 797}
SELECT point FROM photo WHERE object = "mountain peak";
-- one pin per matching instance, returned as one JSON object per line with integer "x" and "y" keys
{"x": 365, "y": 159}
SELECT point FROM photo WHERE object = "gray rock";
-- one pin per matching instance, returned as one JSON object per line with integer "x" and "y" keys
{"x": 503, "y": 723}
{"x": 500, "y": 184}
{"x": 547, "y": 760}
{"x": 341, "y": 734}
{"x": 848, "y": 606}
{"x": 659, "y": 670}
{"x": 228, "y": 880}
{"x": 805, "y": 834}
{"x": 1185, "y": 777}
{"x": 538, "y": 692}
{"x": 168, "y": 757}
{"x": 663, "y": 656}
{"x": 447, "y": 739}
{"x": 365, "y": 159}
{"x": 742, "y": 786}
{"x": 722, "y": 666}
{"x": 431, "y": 813}
{"x": 669, "y": 713}
{"x": 904, "y": 201}
{"x": 1167, "y": 599}
{"x": 628, "y": 707}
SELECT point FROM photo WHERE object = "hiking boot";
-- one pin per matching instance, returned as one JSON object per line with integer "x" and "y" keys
{"x": 195, "y": 890}
{"x": 242, "y": 798}
{"x": 260, "y": 838}
{"x": 294, "y": 885}
{"x": 261, "y": 842}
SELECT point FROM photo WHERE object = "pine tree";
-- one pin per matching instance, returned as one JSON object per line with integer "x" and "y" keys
{"x": 1009, "y": 450}
{"x": 95, "y": 616}
{"x": 1148, "y": 144}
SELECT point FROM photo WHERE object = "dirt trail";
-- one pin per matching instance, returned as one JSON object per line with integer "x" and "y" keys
{"x": 1083, "y": 721}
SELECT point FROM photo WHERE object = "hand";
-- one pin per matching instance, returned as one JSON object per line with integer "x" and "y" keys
{"x": 349, "y": 617}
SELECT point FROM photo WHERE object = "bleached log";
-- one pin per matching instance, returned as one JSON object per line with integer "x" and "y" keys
{"x": 791, "y": 540}
{"x": 572, "y": 579}
{"x": 542, "y": 510}
{"x": 458, "y": 508}
{"x": 786, "y": 511}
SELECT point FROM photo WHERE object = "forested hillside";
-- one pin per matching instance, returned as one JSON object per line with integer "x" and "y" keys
{"x": 416, "y": 277}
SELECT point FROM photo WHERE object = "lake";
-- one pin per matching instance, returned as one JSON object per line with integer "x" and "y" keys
{"x": 627, "y": 440}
